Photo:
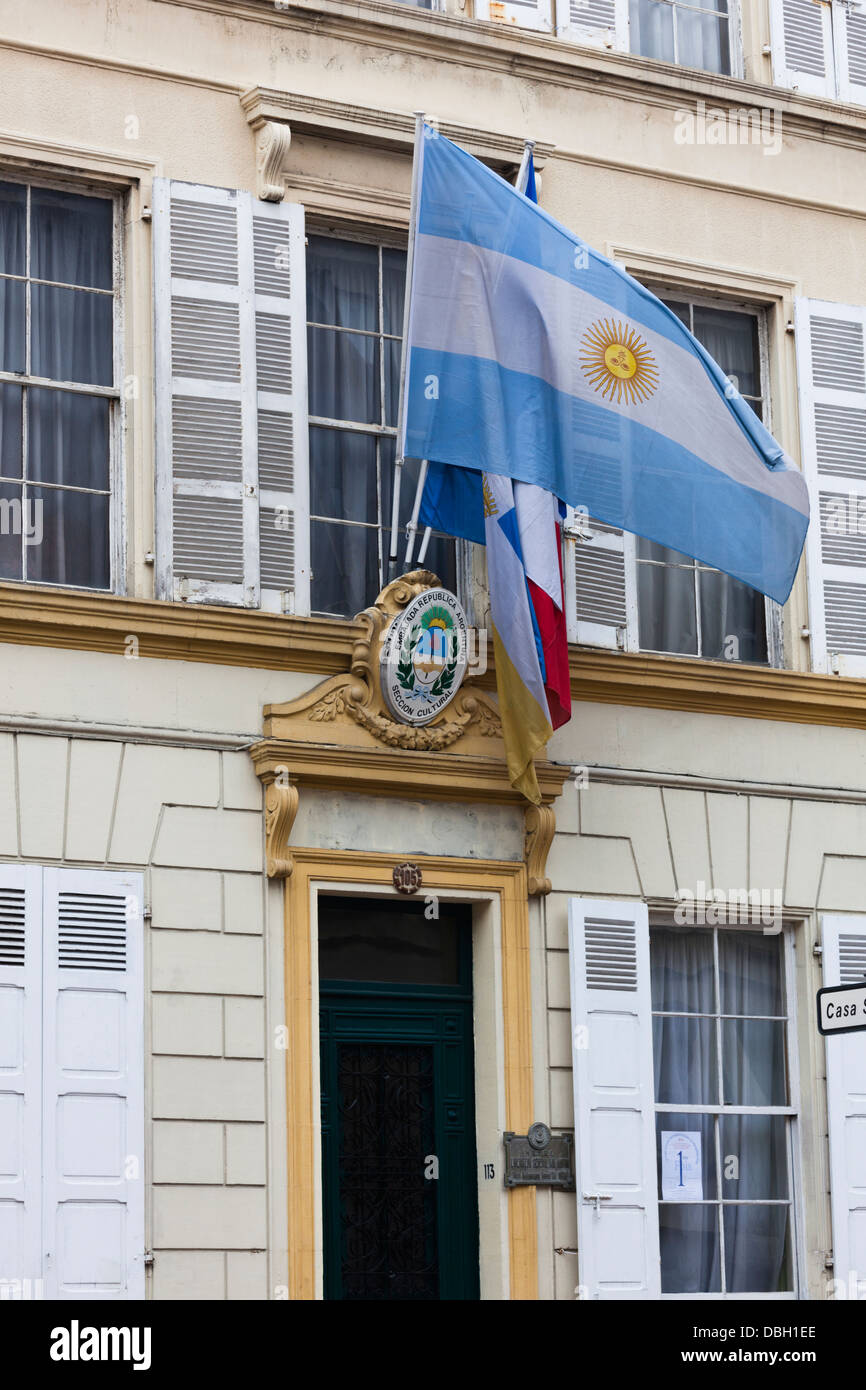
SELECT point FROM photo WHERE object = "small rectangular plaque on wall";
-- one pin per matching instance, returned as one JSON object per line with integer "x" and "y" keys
{"x": 529, "y": 1165}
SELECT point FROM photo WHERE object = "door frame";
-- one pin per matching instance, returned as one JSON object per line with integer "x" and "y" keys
{"x": 502, "y": 1003}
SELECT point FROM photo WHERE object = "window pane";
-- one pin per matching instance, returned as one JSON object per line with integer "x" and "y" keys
{"x": 750, "y": 973}
{"x": 704, "y": 1125}
{"x": 681, "y": 310}
{"x": 345, "y": 564}
{"x": 681, "y": 970}
{"x": 13, "y": 215}
{"x": 10, "y": 531}
{"x": 72, "y": 338}
{"x": 733, "y": 619}
{"x": 67, "y": 440}
{"x": 753, "y": 1062}
{"x": 342, "y": 283}
{"x": 392, "y": 380}
{"x": 702, "y": 41}
{"x": 651, "y": 29}
{"x": 667, "y": 609}
{"x": 732, "y": 340}
{"x": 393, "y": 288}
{"x": 343, "y": 475}
{"x": 754, "y": 1156}
{"x": 689, "y": 1241}
{"x": 661, "y": 554}
{"x": 757, "y": 1254}
{"x": 12, "y": 341}
{"x": 388, "y": 941}
{"x": 74, "y": 546}
{"x": 11, "y": 438}
{"x": 684, "y": 1061}
{"x": 71, "y": 238}
{"x": 344, "y": 376}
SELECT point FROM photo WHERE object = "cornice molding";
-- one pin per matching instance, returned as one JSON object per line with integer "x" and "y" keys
{"x": 716, "y": 687}
{"x": 376, "y": 127}
{"x": 464, "y": 41}
{"x": 67, "y": 618}
{"x": 70, "y": 619}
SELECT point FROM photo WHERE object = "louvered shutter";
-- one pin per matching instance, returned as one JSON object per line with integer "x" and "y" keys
{"x": 527, "y": 14}
{"x": 600, "y": 583}
{"x": 595, "y": 23}
{"x": 844, "y": 963}
{"x": 831, "y": 362}
{"x": 232, "y": 482}
{"x": 850, "y": 35}
{"x": 20, "y": 1081}
{"x": 93, "y": 1085}
{"x": 801, "y": 34}
{"x": 614, "y": 1115}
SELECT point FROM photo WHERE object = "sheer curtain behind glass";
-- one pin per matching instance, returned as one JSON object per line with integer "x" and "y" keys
{"x": 695, "y": 36}
{"x": 687, "y": 1044}
{"x": 59, "y": 246}
{"x": 355, "y": 318}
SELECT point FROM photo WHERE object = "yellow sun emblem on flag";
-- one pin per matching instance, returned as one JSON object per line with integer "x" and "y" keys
{"x": 618, "y": 363}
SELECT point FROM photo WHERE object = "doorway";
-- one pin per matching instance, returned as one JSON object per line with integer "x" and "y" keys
{"x": 399, "y": 1171}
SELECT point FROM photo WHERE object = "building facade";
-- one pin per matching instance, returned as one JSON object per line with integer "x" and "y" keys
{"x": 227, "y": 1042}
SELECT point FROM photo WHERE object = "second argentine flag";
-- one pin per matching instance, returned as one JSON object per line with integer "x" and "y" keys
{"x": 532, "y": 356}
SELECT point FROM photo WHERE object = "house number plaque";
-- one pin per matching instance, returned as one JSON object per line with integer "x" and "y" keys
{"x": 539, "y": 1159}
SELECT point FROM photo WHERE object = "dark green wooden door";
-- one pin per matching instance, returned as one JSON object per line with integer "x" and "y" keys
{"x": 398, "y": 1124}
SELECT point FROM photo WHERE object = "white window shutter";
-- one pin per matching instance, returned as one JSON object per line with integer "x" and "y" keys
{"x": 831, "y": 365}
{"x": 231, "y": 398}
{"x": 20, "y": 1081}
{"x": 801, "y": 33}
{"x": 850, "y": 35}
{"x": 595, "y": 23}
{"x": 844, "y": 962}
{"x": 93, "y": 1085}
{"x": 600, "y": 583}
{"x": 614, "y": 1102}
{"x": 526, "y": 14}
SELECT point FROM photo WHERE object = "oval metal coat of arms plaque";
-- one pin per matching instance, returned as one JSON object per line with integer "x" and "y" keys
{"x": 424, "y": 657}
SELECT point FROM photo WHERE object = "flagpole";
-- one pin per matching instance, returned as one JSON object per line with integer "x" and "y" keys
{"x": 412, "y": 528}
{"x": 422, "y": 552}
{"x": 523, "y": 172}
{"x": 407, "y": 300}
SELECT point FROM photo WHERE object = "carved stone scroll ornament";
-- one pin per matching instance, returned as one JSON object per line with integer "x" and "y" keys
{"x": 540, "y": 824}
{"x": 281, "y": 807}
{"x": 272, "y": 146}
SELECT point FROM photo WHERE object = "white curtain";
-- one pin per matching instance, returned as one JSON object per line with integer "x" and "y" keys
{"x": 752, "y": 1147}
{"x": 351, "y": 473}
{"x": 701, "y": 39}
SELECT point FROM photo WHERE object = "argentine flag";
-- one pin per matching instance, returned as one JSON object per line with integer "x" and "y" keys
{"x": 531, "y": 356}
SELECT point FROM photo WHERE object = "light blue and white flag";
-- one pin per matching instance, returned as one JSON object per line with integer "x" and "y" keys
{"x": 531, "y": 355}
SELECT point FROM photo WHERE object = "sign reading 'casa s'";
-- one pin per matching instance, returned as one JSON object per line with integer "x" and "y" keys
{"x": 424, "y": 657}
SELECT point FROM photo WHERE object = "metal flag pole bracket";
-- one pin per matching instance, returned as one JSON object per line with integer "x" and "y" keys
{"x": 407, "y": 307}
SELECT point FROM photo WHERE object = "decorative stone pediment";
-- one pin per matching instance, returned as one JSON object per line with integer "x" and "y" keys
{"x": 342, "y": 735}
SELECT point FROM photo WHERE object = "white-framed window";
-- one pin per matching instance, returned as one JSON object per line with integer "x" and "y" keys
{"x": 354, "y": 335}
{"x": 701, "y": 34}
{"x": 820, "y": 48}
{"x": 628, "y": 592}
{"x": 686, "y": 1103}
{"x": 60, "y": 372}
{"x": 691, "y": 33}
{"x": 724, "y": 1110}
